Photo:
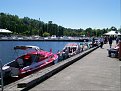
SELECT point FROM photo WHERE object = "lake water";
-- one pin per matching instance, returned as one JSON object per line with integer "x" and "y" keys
{"x": 7, "y": 53}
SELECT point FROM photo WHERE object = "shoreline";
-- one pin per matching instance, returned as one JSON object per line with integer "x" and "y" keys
{"x": 43, "y": 40}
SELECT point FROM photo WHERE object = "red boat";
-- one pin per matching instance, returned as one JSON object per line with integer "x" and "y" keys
{"x": 30, "y": 61}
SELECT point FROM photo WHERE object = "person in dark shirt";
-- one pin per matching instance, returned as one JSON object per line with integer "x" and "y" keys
{"x": 110, "y": 41}
{"x": 117, "y": 40}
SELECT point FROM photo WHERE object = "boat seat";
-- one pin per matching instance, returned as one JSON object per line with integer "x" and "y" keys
{"x": 27, "y": 60}
{"x": 14, "y": 72}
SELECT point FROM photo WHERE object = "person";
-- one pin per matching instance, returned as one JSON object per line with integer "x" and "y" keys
{"x": 110, "y": 41}
{"x": 105, "y": 39}
{"x": 116, "y": 47}
{"x": 101, "y": 42}
{"x": 93, "y": 41}
{"x": 117, "y": 40}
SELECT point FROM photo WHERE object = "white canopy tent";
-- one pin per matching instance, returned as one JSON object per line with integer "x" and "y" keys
{"x": 5, "y": 31}
{"x": 112, "y": 33}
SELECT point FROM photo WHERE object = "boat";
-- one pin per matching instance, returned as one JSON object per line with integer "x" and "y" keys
{"x": 85, "y": 45}
{"x": 34, "y": 59}
{"x": 69, "y": 50}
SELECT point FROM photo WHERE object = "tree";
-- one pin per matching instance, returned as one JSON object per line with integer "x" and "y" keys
{"x": 46, "y": 34}
{"x": 113, "y": 28}
{"x": 89, "y": 32}
{"x": 27, "y": 26}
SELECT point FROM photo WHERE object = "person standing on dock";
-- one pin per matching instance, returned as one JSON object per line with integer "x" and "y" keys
{"x": 101, "y": 42}
{"x": 117, "y": 40}
{"x": 110, "y": 41}
{"x": 93, "y": 41}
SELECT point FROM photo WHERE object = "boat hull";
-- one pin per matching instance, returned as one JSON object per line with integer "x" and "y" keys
{"x": 18, "y": 69}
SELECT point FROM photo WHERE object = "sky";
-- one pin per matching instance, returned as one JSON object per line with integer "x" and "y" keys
{"x": 73, "y": 14}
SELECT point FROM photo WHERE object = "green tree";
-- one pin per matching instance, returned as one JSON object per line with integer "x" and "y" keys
{"x": 46, "y": 34}
{"x": 28, "y": 26}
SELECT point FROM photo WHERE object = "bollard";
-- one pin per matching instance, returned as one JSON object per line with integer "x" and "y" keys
{"x": 119, "y": 55}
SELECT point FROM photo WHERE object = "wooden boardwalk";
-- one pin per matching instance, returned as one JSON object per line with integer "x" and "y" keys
{"x": 96, "y": 71}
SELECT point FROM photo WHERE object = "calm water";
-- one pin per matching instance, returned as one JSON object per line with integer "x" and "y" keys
{"x": 8, "y": 54}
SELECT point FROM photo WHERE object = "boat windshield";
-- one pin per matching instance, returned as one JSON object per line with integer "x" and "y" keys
{"x": 22, "y": 50}
{"x": 72, "y": 49}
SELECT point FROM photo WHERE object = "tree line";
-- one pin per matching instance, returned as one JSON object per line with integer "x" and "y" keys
{"x": 27, "y": 26}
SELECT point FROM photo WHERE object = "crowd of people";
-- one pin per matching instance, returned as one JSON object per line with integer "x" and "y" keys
{"x": 110, "y": 40}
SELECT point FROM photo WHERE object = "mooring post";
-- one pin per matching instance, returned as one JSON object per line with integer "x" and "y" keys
{"x": 1, "y": 73}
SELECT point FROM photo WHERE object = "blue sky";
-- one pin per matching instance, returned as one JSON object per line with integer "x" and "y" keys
{"x": 68, "y": 13}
